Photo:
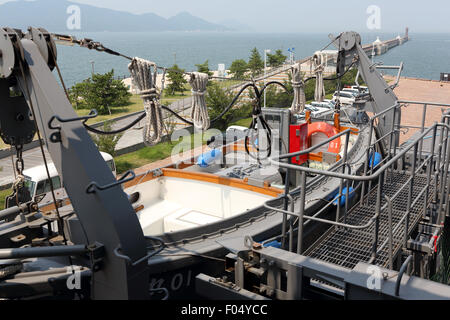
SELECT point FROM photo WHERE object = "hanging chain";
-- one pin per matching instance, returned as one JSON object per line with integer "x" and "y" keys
{"x": 19, "y": 160}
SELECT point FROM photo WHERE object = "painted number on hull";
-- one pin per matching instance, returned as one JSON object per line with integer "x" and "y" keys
{"x": 177, "y": 282}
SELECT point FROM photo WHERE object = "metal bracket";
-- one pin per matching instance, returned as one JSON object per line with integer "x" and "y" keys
{"x": 56, "y": 136}
{"x": 91, "y": 188}
{"x": 96, "y": 253}
{"x": 157, "y": 173}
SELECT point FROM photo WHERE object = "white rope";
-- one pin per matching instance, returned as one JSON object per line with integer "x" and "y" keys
{"x": 319, "y": 93}
{"x": 18, "y": 182}
{"x": 199, "y": 111}
{"x": 298, "y": 104}
{"x": 145, "y": 80}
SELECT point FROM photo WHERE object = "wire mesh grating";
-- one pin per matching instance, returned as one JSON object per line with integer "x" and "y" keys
{"x": 347, "y": 247}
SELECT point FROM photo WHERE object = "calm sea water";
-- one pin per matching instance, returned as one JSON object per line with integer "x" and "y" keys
{"x": 425, "y": 56}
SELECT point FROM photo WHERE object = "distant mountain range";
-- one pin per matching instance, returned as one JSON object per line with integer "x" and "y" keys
{"x": 52, "y": 15}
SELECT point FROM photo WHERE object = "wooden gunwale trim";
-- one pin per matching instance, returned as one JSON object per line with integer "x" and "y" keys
{"x": 206, "y": 177}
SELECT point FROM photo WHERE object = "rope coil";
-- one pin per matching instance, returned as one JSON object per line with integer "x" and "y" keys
{"x": 319, "y": 68}
{"x": 145, "y": 79}
{"x": 299, "y": 102}
{"x": 199, "y": 111}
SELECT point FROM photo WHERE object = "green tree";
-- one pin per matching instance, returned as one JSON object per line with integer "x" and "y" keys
{"x": 276, "y": 96}
{"x": 255, "y": 63}
{"x": 107, "y": 143}
{"x": 204, "y": 68}
{"x": 276, "y": 59}
{"x": 102, "y": 92}
{"x": 176, "y": 77}
{"x": 238, "y": 68}
{"x": 77, "y": 93}
{"x": 217, "y": 99}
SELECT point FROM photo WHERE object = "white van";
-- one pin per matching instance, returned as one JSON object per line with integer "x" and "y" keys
{"x": 37, "y": 182}
{"x": 237, "y": 131}
{"x": 345, "y": 97}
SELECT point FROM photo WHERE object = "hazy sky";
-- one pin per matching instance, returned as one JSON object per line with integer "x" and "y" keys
{"x": 300, "y": 16}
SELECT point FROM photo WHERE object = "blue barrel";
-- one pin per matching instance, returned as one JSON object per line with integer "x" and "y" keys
{"x": 209, "y": 157}
{"x": 273, "y": 244}
{"x": 351, "y": 194}
{"x": 374, "y": 160}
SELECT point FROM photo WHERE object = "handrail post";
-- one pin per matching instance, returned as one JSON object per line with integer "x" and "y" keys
{"x": 371, "y": 171}
{"x": 392, "y": 136}
{"x": 438, "y": 166}
{"x": 430, "y": 167}
{"x": 424, "y": 113}
{"x": 286, "y": 200}
{"x": 366, "y": 162}
{"x": 291, "y": 227}
{"x": 443, "y": 194}
{"x": 347, "y": 138}
{"x": 378, "y": 214}
{"x": 410, "y": 194}
{"x": 301, "y": 213}
{"x": 391, "y": 240}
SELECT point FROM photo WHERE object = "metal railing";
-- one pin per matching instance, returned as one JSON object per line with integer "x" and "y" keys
{"x": 401, "y": 201}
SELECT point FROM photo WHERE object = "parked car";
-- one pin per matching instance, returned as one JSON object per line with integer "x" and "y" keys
{"x": 361, "y": 89}
{"x": 315, "y": 111}
{"x": 231, "y": 134}
{"x": 236, "y": 131}
{"x": 345, "y": 97}
{"x": 351, "y": 90}
{"x": 38, "y": 184}
{"x": 329, "y": 104}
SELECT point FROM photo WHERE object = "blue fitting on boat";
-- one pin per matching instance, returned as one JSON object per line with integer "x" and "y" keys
{"x": 351, "y": 194}
{"x": 374, "y": 160}
{"x": 209, "y": 157}
{"x": 273, "y": 244}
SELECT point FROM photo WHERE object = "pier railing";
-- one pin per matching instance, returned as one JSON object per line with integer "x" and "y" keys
{"x": 394, "y": 195}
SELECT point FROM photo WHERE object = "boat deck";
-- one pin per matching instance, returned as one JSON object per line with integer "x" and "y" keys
{"x": 346, "y": 247}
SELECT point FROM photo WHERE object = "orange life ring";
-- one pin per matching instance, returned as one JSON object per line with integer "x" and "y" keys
{"x": 330, "y": 131}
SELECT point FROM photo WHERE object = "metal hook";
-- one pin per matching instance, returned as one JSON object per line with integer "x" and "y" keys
{"x": 56, "y": 136}
{"x": 91, "y": 188}
{"x": 91, "y": 115}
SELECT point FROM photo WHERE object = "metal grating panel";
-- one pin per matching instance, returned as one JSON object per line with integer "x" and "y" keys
{"x": 347, "y": 247}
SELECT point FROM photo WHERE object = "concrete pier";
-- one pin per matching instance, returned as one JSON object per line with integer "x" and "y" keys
{"x": 379, "y": 47}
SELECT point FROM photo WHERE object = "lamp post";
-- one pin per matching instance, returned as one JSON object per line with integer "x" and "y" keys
{"x": 265, "y": 67}
{"x": 291, "y": 55}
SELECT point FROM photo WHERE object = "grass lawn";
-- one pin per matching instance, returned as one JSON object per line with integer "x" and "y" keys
{"x": 3, "y": 195}
{"x": 157, "y": 152}
{"x": 134, "y": 106}
{"x": 243, "y": 122}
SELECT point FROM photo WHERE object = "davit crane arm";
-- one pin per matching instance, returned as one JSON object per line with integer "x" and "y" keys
{"x": 26, "y": 62}
{"x": 381, "y": 95}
